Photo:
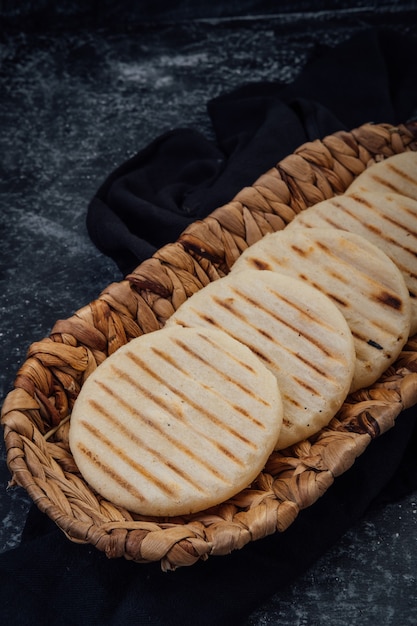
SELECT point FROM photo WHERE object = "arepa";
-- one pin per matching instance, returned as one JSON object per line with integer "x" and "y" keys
{"x": 175, "y": 421}
{"x": 395, "y": 174}
{"x": 364, "y": 284}
{"x": 296, "y": 331}
{"x": 387, "y": 220}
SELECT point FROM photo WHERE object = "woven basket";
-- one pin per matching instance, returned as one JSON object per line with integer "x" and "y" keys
{"x": 36, "y": 413}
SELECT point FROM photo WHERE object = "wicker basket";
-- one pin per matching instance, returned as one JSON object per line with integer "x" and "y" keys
{"x": 36, "y": 413}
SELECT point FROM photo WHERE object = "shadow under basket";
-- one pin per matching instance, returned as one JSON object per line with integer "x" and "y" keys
{"x": 36, "y": 413}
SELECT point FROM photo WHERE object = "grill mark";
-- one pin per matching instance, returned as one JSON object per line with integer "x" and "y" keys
{"x": 210, "y": 320}
{"x": 384, "y": 216}
{"x": 276, "y": 316}
{"x": 264, "y": 357}
{"x": 304, "y": 220}
{"x": 359, "y": 199}
{"x": 306, "y": 386}
{"x": 185, "y": 398}
{"x": 106, "y": 469}
{"x": 202, "y": 316}
{"x": 138, "y": 467}
{"x": 396, "y": 171}
{"x": 138, "y": 440}
{"x": 385, "y": 183}
{"x": 335, "y": 224}
{"x": 324, "y": 247}
{"x": 383, "y": 296}
{"x": 337, "y": 300}
{"x": 330, "y": 294}
{"x": 239, "y": 361}
{"x": 389, "y": 299}
{"x": 361, "y": 339}
{"x": 406, "y": 270}
{"x": 329, "y": 270}
{"x": 382, "y": 233}
{"x": 381, "y": 332}
{"x": 337, "y": 276}
{"x": 401, "y": 226}
{"x": 162, "y": 403}
{"x": 204, "y": 411}
{"x": 301, "y": 310}
{"x": 207, "y": 318}
{"x": 226, "y": 452}
{"x": 333, "y": 275}
{"x": 265, "y": 334}
{"x": 237, "y": 408}
{"x": 297, "y": 355}
{"x": 293, "y": 401}
{"x": 315, "y": 367}
{"x": 246, "y": 413}
{"x": 392, "y": 334}
{"x": 348, "y": 262}
{"x": 301, "y": 251}
{"x": 269, "y": 362}
{"x": 158, "y": 400}
{"x": 259, "y": 264}
{"x": 342, "y": 259}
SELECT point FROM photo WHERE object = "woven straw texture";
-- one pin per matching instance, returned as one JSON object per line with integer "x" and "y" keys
{"x": 36, "y": 413}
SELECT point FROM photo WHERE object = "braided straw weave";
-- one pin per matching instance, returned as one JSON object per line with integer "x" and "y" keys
{"x": 36, "y": 413}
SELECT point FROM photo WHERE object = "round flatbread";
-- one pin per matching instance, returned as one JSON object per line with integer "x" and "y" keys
{"x": 396, "y": 174}
{"x": 365, "y": 285}
{"x": 296, "y": 331}
{"x": 176, "y": 421}
{"x": 387, "y": 220}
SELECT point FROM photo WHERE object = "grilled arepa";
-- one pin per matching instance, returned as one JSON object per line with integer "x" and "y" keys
{"x": 387, "y": 220}
{"x": 365, "y": 285}
{"x": 175, "y": 421}
{"x": 396, "y": 174}
{"x": 297, "y": 332}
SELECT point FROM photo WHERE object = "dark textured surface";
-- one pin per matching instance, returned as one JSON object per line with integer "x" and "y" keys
{"x": 73, "y": 106}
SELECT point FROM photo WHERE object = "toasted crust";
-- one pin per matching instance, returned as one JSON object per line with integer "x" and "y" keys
{"x": 176, "y": 421}
{"x": 387, "y": 220}
{"x": 365, "y": 285}
{"x": 396, "y": 174}
{"x": 295, "y": 330}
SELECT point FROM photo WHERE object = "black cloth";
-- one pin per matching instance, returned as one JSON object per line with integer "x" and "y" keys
{"x": 182, "y": 176}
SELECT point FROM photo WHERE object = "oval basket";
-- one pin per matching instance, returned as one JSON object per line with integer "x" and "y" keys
{"x": 36, "y": 413}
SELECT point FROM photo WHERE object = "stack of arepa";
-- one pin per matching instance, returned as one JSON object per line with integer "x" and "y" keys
{"x": 183, "y": 418}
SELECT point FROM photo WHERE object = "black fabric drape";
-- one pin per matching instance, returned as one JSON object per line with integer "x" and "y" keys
{"x": 182, "y": 176}
{"x": 146, "y": 203}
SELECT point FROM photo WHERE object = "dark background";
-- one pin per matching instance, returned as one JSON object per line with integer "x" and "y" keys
{"x": 85, "y": 85}
{"x": 128, "y": 14}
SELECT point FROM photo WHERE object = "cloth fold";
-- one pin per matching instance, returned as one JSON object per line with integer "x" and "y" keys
{"x": 146, "y": 203}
